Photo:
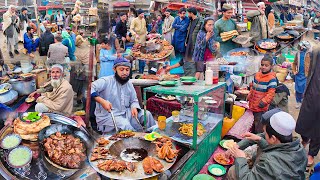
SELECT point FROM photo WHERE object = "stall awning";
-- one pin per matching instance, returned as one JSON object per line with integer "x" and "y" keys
{"x": 177, "y": 6}
{"x": 43, "y": 8}
{"x": 121, "y": 4}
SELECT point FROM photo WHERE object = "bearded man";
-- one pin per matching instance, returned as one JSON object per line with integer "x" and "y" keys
{"x": 115, "y": 93}
{"x": 58, "y": 97}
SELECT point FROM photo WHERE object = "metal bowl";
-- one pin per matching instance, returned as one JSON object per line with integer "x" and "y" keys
{"x": 7, "y": 136}
{"x": 16, "y": 149}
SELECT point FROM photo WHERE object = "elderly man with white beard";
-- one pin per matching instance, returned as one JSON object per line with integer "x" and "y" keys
{"x": 58, "y": 97}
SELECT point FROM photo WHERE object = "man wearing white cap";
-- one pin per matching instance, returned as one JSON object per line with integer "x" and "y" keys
{"x": 259, "y": 23}
{"x": 279, "y": 155}
{"x": 57, "y": 98}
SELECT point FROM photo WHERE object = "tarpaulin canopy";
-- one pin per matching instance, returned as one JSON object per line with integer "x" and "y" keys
{"x": 121, "y": 4}
{"x": 177, "y": 6}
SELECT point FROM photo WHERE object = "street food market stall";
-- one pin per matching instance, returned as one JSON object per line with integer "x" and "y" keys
{"x": 197, "y": 127}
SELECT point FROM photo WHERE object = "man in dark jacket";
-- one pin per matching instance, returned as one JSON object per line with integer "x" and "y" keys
{"x": 279, "y": 156}
{"x": 121, "y": 28}
{"x": 193, "y": 29}
{"x": 46, "y": 39}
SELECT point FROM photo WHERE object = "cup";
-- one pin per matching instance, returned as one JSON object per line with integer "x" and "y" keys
{"x": 176, "y": 116}
{"x": 162, "y": 122}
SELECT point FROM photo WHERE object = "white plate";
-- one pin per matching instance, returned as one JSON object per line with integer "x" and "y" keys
{"x": 211, "y": 102}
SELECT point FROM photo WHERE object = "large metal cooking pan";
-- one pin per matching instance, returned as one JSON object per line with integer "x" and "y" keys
{"x": 250, "y": 51}
{"x": 63, "y": 129}
{"x": 258, "y": 43}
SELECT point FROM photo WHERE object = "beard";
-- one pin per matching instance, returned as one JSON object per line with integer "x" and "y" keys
{"x": 55, "y": 83}
{"x": 120, "y": 79}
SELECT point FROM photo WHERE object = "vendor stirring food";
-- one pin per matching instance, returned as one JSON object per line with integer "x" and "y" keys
{"x": 59, "y": 97}
{"x": 117, "y": 94}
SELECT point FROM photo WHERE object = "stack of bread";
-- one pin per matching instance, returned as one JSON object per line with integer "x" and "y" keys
{"x": 228, "y": 35}
{"x": 29, "y": 131}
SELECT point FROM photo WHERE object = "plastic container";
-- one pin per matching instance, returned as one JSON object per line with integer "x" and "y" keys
{"x": 208, "y": 76}
{"x": 176, "y": 116}
{"x": 162, "y": 122}
{"x": 227, "y": 125}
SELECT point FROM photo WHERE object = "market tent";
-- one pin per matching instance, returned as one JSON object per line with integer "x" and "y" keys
{"x": 176, "y": 6}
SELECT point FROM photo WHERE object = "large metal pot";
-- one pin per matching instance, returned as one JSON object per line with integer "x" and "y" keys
{"x": 8, "y": 97}
{"x": 23, "y": 87}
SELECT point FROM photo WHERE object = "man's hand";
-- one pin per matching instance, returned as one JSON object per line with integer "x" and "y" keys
{"x": 209, "y": 35}
{"x": 134, "y": 112}
{"x": 251, "y": 136}
{"x": 123, "y": 39}
{"x": 237, "y": 153}
{"x": 80, "y": 121}
{"x": 106, "y": 105}
{"x": 137, "y": 36}
{"x": 168, "y": 68}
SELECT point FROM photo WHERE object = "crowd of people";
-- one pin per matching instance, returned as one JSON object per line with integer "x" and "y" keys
{"x": 196, "y": 41}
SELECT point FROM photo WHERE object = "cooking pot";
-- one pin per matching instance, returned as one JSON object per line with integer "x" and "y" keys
{"x": 8, "y": 97}
{"x": 23, "y": 87}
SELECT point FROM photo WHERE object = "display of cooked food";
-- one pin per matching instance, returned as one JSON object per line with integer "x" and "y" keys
{"x": 268, "y": 45}
{"x": 27, "y": 129}
{"x": 19, "y": 157}
{"x": 228, "y": 35}
{"x": 166, "y": 152}
{"x": 229, "y": 144}
{"x": 31, "y": 116}
{"x": 150, "y": 76}
{"x": 222, "y": 159}
{"x": 99, "y": 153}
{"x": 239, "y": 53}
{"x": 102, "y": 142}
{"x": 187, "y": 129}
{"x": 10, "y": 141}
{"x": 161, "y": 141}
{"x": 65, "y": 150}
{"x": 168, "y": 98}
{"x": 26, "y": 75}
{"x": 116, "y": 165}
{"x": 151, "y": 164}
{"x": 169, "y": 77}
{"x": 154, "y": 50}
{"x": 284, "y": 37}
{"x": 122, "y": 134}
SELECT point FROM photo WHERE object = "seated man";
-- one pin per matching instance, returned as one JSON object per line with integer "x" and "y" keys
{"x": 30, "y": 44}
{"x": 60, "y": 98}
{"x": 279, "y": 156}
{"x": 116, "y": 93}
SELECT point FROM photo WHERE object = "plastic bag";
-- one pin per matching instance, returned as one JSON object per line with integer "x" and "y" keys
{"x": 237, "y": 112}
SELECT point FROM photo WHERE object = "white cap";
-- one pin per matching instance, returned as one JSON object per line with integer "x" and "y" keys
{"x": 260, "y": 3}
{"x": 283, "y": 123}
{"x": 57, "y": 66}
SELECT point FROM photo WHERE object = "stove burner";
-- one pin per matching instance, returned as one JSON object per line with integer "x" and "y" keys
{"x": 133, "y": 154}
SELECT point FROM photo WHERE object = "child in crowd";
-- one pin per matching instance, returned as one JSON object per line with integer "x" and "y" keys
{"x": 262, "y": 91}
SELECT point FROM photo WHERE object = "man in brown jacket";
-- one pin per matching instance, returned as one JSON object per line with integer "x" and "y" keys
{"x": 58, "y": 98}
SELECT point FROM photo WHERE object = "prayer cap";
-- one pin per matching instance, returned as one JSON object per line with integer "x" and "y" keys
{"x": 121, "y": 62}
{"x": 227, "y": 6}
{"x": 283, "y": 123}
{"x": 57, "y": 66}
{"x": 23, "y": 9}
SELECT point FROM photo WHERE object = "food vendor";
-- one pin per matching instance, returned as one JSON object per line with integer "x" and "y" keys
{"x": 259, "y": 23}
{"x": 59, "y": 97}
{"x": 225, "y": 24}
{"x": 279, "y": 155}
{"x": 116, "y": 93}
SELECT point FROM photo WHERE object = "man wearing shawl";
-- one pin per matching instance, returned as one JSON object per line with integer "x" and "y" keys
{"x": 69, "y": 42}
{"x": 115, "y": 93}
{"x": 11, "y": 29}
{"x": 58, "y": 97}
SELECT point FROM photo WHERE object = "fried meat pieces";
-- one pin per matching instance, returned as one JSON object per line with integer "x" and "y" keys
{"x": 151, "y": 164}
{"x": 116, "y": 165}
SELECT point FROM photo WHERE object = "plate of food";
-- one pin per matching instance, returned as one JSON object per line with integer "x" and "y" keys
{"x": 19, "y": 157}
{"x": 10, "y": 141}
{"x": 217, "y": 170}
{"x": 187, "y": 129}
{"x": 30, "y": 100}
{"x": 168, "y": 97}
{"x": 220, "y": 158}
{"x": 227, "y": 144}
{"x": 168, "y": 83}
{"x": 5, "y": 88}
{"x": 211, "y": 101}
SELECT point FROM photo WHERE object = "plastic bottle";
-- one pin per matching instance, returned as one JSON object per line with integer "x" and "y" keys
{"x": 208, "y": 76}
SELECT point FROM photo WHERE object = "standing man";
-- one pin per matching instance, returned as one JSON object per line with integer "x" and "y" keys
{"x": 121, "y": 28}
{"x": 59, "y": 20}
{"x": 138, "y": 28}
{"x": 308, "y": 123}
{"x": 11, "y": 29}
{"x": 23, "y": 22}
{"x": 259, "y": 23}
{"x": 225, "y": 24}
{"x": 68, "y": 19}
{"x": 271, "y": 21}
{"x": 167, "y": 26}
{"x": 180, "y": 24}
{"x": 194, "y": 27}
{"x": 71, "y": 33}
